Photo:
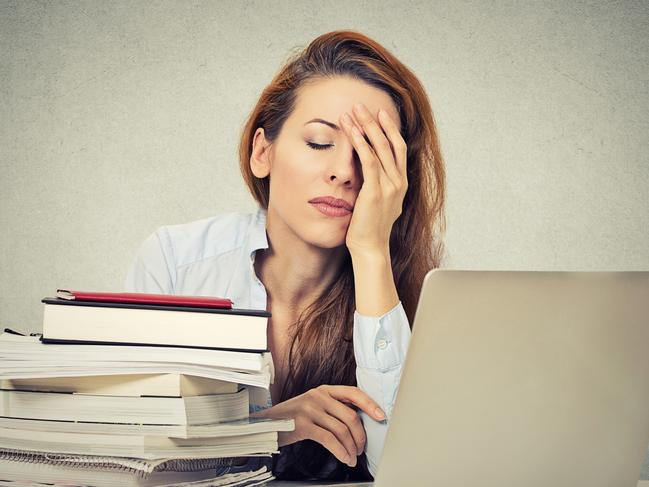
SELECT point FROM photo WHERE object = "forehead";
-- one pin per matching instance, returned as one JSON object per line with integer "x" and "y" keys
{"x": 330, "y": 98}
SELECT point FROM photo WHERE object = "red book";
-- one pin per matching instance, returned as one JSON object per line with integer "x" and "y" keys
{"x": 143, "y": 298}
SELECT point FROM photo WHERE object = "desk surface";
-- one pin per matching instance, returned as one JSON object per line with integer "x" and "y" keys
{"x": 280, "y": 483}
{"x": 283, "y": 483}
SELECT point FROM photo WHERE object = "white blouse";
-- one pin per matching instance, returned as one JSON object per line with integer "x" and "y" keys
{"x": 215, "y": 256}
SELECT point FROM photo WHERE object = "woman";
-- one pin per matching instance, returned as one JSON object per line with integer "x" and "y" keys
{"x": 350, "y": 213}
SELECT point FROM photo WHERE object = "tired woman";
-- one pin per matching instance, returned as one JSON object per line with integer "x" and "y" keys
{"x": 342, "y": 156}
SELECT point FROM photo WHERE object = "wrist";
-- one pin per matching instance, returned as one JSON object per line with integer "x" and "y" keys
{"x": 374, "y": 285}
{"x": 371, "y": 255}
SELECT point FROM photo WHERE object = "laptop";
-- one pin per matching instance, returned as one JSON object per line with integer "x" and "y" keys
{"x": 522, "y": 378}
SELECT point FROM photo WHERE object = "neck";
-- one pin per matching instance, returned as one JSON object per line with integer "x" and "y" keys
{"x": 293, "y": 271}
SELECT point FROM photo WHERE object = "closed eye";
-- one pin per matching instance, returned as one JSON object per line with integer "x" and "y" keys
{"x": 318, "y": 146}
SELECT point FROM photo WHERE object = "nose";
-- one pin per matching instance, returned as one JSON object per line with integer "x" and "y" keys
{"x": 346, "y": 168}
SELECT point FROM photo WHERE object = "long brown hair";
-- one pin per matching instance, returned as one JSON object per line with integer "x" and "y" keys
{"x": 321, "y": 350}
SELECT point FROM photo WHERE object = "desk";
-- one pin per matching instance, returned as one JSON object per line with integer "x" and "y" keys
{"x": 282, "y": 483}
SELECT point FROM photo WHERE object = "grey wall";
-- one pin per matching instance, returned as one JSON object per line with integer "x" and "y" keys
{"x": 118, "y": 117}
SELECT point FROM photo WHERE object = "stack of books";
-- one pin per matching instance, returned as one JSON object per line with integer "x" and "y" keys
{"x": 137, "y": 389}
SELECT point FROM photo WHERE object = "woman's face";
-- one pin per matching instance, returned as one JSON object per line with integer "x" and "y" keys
{"x": 312, "y": 158}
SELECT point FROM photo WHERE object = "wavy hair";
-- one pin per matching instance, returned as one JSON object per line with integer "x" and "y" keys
{"x": 321, "y": 347}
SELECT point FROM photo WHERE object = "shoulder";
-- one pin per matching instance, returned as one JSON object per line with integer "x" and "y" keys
{"x": 206, "y": 238}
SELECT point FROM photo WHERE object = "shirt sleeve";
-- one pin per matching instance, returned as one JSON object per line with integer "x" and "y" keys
{"x": 380, "y": 347}
{"x": 152, "y": 269}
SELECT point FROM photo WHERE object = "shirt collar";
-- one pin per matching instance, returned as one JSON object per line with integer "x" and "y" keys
{"x": 258, "y": 239}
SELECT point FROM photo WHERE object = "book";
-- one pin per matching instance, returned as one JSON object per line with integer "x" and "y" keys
{"x": 174, "y": 299}
{"x": 137, "y": 446}
{"x": 79, "y": 321}
{"x": 162, "y": 399}
{"x": 172, "y": 385}
{"x": 25, "y": 357}
{"x": 59, "y": 406}
{"x": 245, "y": 426}
{"x": 98, "y": 471}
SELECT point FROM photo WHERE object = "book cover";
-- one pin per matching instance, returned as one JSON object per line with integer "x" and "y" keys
{"x": 72, "y": 321}
{"x": 145, "y": 298}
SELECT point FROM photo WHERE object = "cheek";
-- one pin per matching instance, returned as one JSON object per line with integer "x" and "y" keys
{"x": 296, "y": 177}
{"x": 288, "y": 192}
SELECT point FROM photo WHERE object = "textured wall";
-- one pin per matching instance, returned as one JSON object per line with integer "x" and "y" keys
{"x": 118, "y": 117}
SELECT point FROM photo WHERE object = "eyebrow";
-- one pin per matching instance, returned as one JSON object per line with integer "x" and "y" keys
{"x": 319, "y": 120}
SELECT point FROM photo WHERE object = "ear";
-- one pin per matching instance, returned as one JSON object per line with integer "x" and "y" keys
{"x": 260, "y": 156}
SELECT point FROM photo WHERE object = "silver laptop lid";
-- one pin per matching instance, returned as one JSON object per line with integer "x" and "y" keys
{"x": 523, "y": 378}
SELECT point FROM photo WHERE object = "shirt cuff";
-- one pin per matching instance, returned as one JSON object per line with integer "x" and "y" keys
{"x": 381, "y": 342}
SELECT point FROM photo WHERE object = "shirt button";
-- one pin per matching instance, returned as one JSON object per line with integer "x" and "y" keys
{"x": 382, "y": 344}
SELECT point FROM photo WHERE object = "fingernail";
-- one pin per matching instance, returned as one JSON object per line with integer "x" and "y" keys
{"x": 379, "y": 414}
{"x": 347, "y": 119}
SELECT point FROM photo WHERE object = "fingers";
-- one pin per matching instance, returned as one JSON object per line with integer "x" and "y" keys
{"x": 396, "y": 140}
{"x": 325, "y": 414}
{"x": 370, "y": 164}
{"x": 348, "y": 417}
{"x": 379, "y": 142}
{"x": 327, "y": 439}
{"x": 357, "y": 397}
{"x": 343, "y": 435}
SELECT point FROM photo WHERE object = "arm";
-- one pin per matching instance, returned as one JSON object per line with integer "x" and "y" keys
{"x": 380, "y": 344}
{"x": 381, "y": 337}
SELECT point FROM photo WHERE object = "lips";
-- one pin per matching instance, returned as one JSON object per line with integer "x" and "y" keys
{"x": 331, "y": 201}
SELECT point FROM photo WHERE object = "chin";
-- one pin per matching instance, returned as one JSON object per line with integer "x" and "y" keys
{"x": 329, "y": 243}
{"x": 326, "y": 239}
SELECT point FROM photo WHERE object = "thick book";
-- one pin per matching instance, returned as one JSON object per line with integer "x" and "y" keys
{"x": 246, "y": 426}
{"x": 170, "y": 385}
{"x": 29, "y": 350}
{"x": 122, "y": 409}
{"x": 137, "y": 446}
{"x": 82, "y": 321}
{"x": 108, "y": 471}
{"x": 26, "y": 357}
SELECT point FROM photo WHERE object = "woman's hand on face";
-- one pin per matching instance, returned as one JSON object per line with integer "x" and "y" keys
{"x": 322, "y": 414}
{"x": 380, "y": 200}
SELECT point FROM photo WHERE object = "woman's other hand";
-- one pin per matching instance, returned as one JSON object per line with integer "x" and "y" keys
{"x": 324, "y": 414}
